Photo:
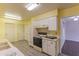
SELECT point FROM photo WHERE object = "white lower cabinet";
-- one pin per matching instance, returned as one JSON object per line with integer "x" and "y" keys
{"x": 44, "y": 44}
{"x": 49, "y": 46}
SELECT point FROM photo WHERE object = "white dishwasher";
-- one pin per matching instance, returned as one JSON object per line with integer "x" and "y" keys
{"x": 49, "y": 46}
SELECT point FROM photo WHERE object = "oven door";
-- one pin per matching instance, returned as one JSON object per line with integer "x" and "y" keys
{"x": 37, "y": 42}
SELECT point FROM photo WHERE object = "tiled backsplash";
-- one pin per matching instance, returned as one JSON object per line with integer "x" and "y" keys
{"x": 44, "y": 30}
{"x": 52, "y": 32}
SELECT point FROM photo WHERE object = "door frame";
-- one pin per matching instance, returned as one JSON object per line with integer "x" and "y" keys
{"x": 61, "y": 28}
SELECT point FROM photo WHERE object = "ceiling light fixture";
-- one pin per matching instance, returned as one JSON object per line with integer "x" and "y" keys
{"x": 12, "y": 16}
{"x": 31, "y": 6}
{"x": 76, "y": 18}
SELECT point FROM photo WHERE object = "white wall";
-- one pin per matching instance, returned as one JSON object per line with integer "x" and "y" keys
{"x": 72, "y": 30}
{"x": 69, "y": 29}
{"x": 62, "y": 33}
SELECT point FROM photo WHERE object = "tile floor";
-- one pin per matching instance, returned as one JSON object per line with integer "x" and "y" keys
{"x": 26, "y": 50}
{"x": 29, "y": 51}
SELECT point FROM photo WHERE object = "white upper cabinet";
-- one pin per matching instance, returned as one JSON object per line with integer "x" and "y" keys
{"x": 50, "y": 22}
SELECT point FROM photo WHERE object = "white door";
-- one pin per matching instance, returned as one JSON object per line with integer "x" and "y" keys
{"x": 10, "y": 32}
{"x": 20, "y": 30}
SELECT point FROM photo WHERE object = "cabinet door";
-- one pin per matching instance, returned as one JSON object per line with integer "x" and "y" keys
{"x": 50, "y": 22}
{"x": 45, "y": 45}
{"x": 51, "y": 47}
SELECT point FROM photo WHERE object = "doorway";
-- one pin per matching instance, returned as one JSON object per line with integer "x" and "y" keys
{"x": 10, "y": 32}
{"x": 70, "y": 35}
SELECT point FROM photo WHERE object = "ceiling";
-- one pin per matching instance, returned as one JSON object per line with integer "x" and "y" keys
{"x": 19, "y": 8}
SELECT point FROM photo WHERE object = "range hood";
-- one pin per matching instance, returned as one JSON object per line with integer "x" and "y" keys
{"x": 42, "y": 30}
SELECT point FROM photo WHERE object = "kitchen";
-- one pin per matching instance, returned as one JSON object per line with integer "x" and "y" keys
{"x": 37, "y": 32}
{"x": 44, "y": 35}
